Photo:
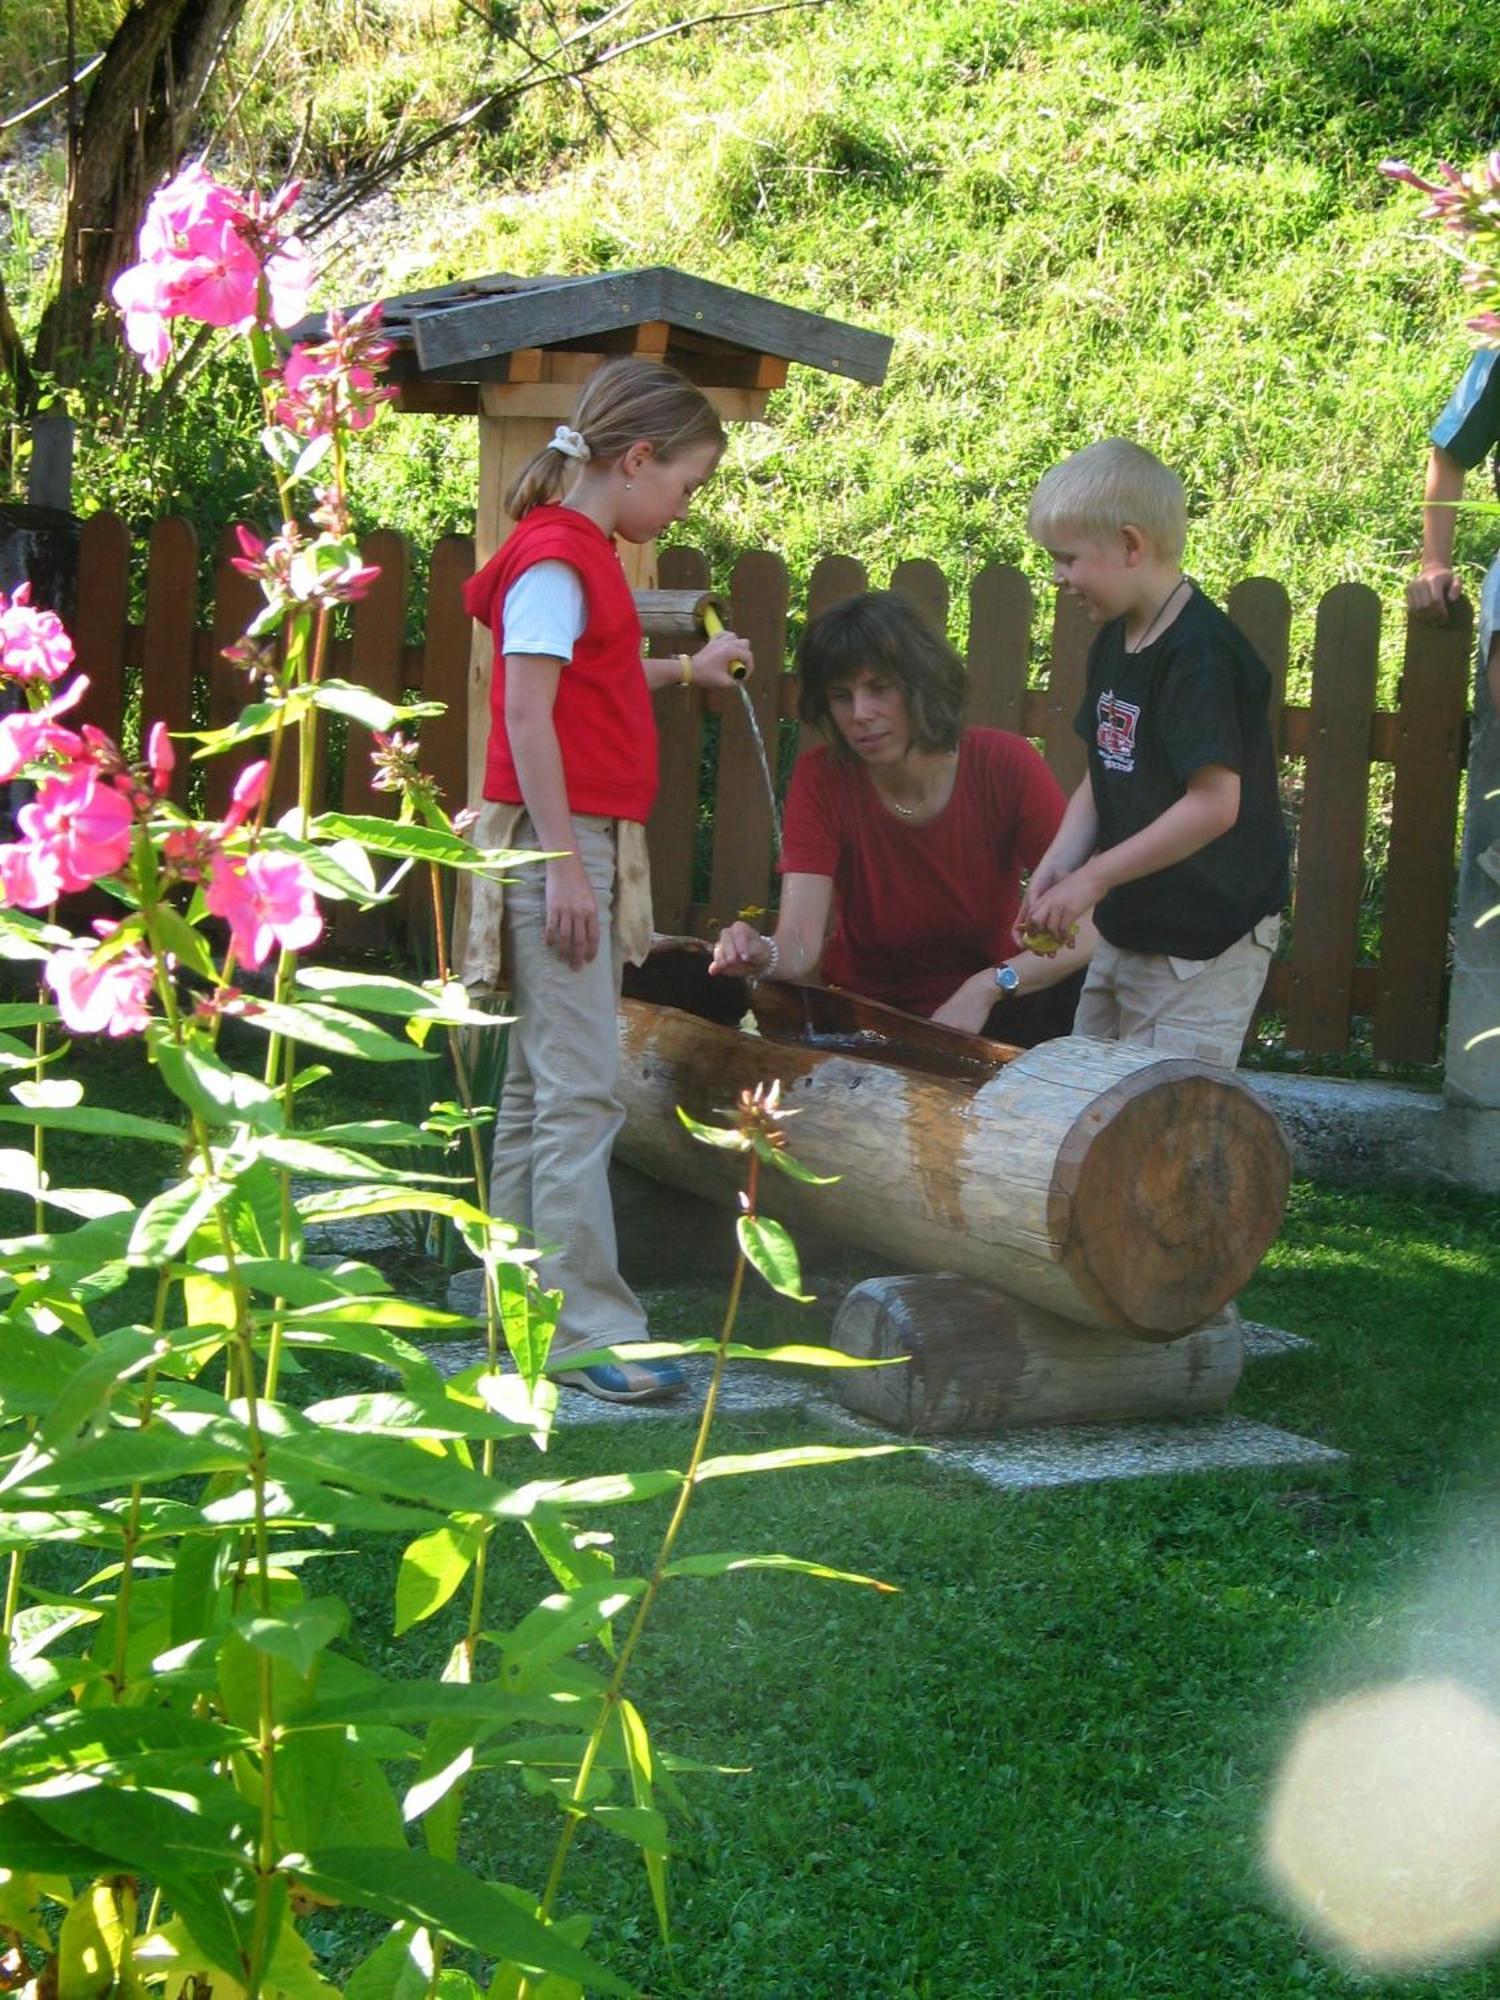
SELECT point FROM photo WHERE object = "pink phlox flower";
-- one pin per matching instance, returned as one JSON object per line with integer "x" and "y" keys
{"x": 110, "y": 998}
{"x": 83, "y": 822}
{"x": 267, "y": 900}
{"x": 204, "y": 252}
{"x": 34, "y": 645}
{"x": 28, "y": 737}
{"x": 331, "y": 382}
{"x": 249, "y": 789}
{"x": 161, "y": 758}
{"x": 1487, "y": 326}
{"x": 30, "y": 878}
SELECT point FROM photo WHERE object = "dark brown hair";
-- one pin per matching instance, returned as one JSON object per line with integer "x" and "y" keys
{"x": 625, "y": 402}
{"x": 882, "y": 632}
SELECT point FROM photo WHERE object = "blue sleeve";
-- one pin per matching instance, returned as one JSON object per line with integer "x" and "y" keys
{"x": 1469, "y": 427}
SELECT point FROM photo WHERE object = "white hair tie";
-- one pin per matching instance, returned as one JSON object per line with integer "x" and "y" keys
{"x": 570, "y": 443}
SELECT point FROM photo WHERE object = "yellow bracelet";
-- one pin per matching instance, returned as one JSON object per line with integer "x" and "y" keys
{"x": 687, "y": 669}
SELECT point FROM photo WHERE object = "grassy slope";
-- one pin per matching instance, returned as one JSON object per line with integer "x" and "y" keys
{"x": 1075, "y": 219}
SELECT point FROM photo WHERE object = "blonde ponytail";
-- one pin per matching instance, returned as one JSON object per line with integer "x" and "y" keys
{"x": 625, "y": 402}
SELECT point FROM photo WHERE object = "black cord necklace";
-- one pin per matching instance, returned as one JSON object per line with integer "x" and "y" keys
{"x": 1156, "y": 616}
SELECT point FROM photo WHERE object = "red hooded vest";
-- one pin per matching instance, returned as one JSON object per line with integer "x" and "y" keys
{"x": 605, "y": 727}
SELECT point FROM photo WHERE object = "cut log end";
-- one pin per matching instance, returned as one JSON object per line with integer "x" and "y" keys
{"x": 1166, "y": 1194}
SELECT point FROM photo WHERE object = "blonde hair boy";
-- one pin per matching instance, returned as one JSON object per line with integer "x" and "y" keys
{"x": 1174, "y": 839}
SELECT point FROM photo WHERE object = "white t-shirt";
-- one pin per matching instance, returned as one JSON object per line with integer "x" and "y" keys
{"x": 544, "y": 612}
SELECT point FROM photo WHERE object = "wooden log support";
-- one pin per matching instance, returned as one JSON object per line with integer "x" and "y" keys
{"x": 1094, "y": 1179}
{"x": 975, "y": 1360}
{"x": 674, "y": 618}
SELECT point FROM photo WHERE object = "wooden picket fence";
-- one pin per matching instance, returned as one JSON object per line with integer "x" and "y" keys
{"x": 170, "y": 666}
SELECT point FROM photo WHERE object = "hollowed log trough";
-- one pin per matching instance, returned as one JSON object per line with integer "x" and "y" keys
{"x": 1110, "y": 1187}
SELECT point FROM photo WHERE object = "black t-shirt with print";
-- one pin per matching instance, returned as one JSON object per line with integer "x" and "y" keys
{"x": 1197, "y": 695}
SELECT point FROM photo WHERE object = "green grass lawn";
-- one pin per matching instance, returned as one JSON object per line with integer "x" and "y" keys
{"x": 1042, "y": 1767}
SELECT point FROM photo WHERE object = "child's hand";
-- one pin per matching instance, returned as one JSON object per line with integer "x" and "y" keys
{"x": 1432, "y": 594}
{"x": 715, "y": 665}
{"x": 1058, "y": 911}
{"x": 741, "y": 949}
{"x": 572, "y": 912}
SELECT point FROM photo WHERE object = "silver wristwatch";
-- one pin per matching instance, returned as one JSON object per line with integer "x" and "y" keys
{"x": 1007, "y": 979}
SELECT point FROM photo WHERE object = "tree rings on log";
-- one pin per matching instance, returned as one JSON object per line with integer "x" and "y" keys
{"x": 974, "y": 1360}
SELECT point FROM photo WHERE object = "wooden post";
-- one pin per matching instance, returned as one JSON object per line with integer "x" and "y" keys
{"x": 972, "y": 1359}
{"x": 1472, "y": 1070}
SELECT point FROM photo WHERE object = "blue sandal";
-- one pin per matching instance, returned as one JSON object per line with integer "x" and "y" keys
{"x": 625, "y": 1381}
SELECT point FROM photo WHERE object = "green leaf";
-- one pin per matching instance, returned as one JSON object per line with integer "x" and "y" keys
{"x": 715, "y": 1135}
{"x": 638, "y": 1761}
{"x": 558, "y": 1625}
{"x": 768, "y": 1247}
{"x": 432, "y": 1568}
{"x": 207, "y": 1085}
{"x": 47, "y": 1091}
{"x": 94, "y": 1121}
{"x": 331, "y": 1029}
{"x": 399, "y": 1968}
{"x": 726, "y": 1563}
{"x": 334, "y": 1790}
{"x": 134, "y": 1741}
{"x": 168, "y": 1223}
{"x": 187, "y": 945}
{"x": 360, "y": 704}
{"x": 413, "y": 843}
{"x": 449, "y": 1900}
{"x": 788, "y": 1164}
{"x": 297, "y": 1635}
{"x": 796, "y": 1458}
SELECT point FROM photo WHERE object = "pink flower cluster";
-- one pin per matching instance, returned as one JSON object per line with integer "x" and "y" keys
{"x": 212, "y": 255}
{"x": 33, "y": 644}
{"x": 330, "y": 385}
{"x": 1467, "y": 205}
{"x": 107, "y": 995}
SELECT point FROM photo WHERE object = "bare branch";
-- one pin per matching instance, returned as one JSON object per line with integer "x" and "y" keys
{"x": 43, "y": 103}
{"x": 544, "y": 70}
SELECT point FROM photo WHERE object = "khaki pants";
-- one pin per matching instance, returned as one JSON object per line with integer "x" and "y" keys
{"x": 1198, "y": 1007}
{"x": 559, "y": 1112}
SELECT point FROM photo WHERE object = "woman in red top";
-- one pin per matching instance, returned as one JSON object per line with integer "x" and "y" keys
{"x": 912, "y": 833}
{"x": 571, "y": 772}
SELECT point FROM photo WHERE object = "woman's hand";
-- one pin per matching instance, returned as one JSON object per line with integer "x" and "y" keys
{"x": 969, "y": 1008}
{"x": 714, "y": 666}
{"x": 572, "y": 912}
{"x": 743, "y": 951}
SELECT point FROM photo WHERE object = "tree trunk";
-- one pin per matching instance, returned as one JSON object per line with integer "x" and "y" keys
{"x": 140, "y": 113}
{"x": 971, "y": 1360}
{"x": 1094, "y": 1179}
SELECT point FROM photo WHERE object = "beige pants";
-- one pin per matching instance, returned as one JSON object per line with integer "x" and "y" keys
{"x": 1198, "y": 1007}
{"x": 558, "y": 1111}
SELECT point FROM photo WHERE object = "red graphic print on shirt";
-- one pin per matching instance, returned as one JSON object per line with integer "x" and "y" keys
{"x": 1116, "y": 736}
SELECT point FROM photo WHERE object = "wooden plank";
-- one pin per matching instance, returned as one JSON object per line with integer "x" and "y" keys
{"x": 449, "y": 341}
{"x": 99, "y": 623}
{"x": 1263, "y": 612}
{"x": 437, "y": 399}
{"x": 1000, "y": 612}
{"x": 1067, "y": 679}
{"x": 650, "y": 338}
{"x": 171, "y": 611}
{"x": 833, "y": 579}
{"x": 556, "y": 400}
{"x": 671, "y": 832}
{"x": 237, "y": 599}
{"x": 1419, "y": 866}
{"x": 925, "y": 589}
{"x": 379, "y": 622}
{"x": 740, "y": 875}
{"x": 445, "y": 668}
{"x": 1331, "y": 838}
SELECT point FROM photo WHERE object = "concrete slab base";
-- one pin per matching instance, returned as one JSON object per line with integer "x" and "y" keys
{"x": 1392, "y": 1133}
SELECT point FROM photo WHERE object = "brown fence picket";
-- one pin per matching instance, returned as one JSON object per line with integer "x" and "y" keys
{"x": 1263, "y": 612}
{"x": 1419, "y": 866}
{"x": 445, "y": 669}
{"x": 170, "y": 633}
{"x": 1331, "y": 839}
{"x": 1072, "y": 635}
{"x": 1001, "y": 607}
{"x": 924, "y": 586}
{"x": 740, "y": 874}
{"x": 375, "y": 662}
{"x": 833, "y": 579}
{"x": 237, "y": 598}
{"x": 671, "y": 831}
{"x": 100, "y": 623}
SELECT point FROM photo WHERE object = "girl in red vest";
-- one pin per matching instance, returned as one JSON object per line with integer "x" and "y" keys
{"x": 571, "y": 771}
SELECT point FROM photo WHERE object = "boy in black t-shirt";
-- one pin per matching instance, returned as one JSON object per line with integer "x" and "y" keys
{"x": 1175, "y": 838}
